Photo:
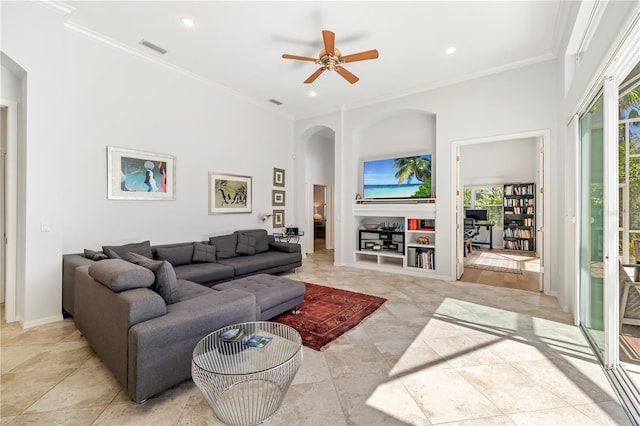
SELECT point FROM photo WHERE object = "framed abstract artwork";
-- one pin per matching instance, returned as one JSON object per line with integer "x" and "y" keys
{"x": 140, "y": 175}
{"x": 229, "y": 193}
{"x": 278, "y": 177}
{"x": 277, "y": 197}
{"x": 278, "y": 218}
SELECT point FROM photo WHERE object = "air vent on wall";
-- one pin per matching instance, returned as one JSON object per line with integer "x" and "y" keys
{"x": 152, "y": 46}
{"x": 275, "y": 101}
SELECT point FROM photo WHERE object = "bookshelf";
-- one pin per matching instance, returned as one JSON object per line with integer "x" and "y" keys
{"x": 421, "y": 249}
{"x": 410, "y": 247}
{"x": 519, "y": 203}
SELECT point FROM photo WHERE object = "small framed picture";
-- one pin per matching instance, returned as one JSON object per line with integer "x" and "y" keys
{"x": 278, "y": 177}
{"x": 278, "y": 218}
{"x": 277, "y": 197}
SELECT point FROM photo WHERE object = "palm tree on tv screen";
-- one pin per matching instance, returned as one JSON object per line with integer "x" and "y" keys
{"x": 415, "y": 167}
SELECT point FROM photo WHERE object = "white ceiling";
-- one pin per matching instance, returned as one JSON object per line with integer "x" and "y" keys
{"x": 239, "y": 44}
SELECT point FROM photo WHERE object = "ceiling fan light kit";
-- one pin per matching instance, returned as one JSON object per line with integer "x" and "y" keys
{"x": 331, "y": 59}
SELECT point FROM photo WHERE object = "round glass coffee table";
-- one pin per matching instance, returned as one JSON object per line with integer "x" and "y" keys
{"x": 245, "y": 375}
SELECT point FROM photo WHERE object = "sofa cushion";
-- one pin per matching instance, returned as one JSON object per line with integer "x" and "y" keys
{"x": 261, "y": 236}
{"x": 120, "y": 275}
{"x": 246, "y": 245}
{"x": 203, "y": 252}
{"x": 244, "y": 265}
{"x": 190, "y": 290}
{"x": 176, "y": 256}
{"x": 225, "y": 245}
{"x": 284, "y": 247}
{"x": 117, "y": 252}
{"x": 95, "y": 255}
{"x": 207, "y": 273}
{"x": 165, "y": 283}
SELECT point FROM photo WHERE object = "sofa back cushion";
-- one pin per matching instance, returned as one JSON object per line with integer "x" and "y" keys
{"x": 165, "y": 282}
{"x": 117, "y": 252}
{"x": 261, "y": 236}
{"x": 225, "y": 245}
{"x": 120, "y": 275}
{"x": 246, "y": 245}
{"x": 176, "y": 256}
{"x": 203, "y": 252}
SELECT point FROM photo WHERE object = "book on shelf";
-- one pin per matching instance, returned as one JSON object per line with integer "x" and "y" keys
{"x": 422, "y": 258}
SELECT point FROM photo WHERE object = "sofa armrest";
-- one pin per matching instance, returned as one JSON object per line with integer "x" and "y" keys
{"x": 104, "y": 317}
{"x": 285, "y": 247}
{"x": 160, "y": 350}
{"x": 69, "y": 264}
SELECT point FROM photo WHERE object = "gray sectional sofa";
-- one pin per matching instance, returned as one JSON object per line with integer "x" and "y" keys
{"x": 220, "y": 259}
{"x": 143, "y": 318}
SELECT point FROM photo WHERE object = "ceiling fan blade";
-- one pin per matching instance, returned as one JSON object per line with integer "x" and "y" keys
{"x": 329, "y": 42}
{"x": 299, "y": 58}
{"x": 315, "y": 75}
{"x": 350, "y": 77}
{"x": 362, "y": 56}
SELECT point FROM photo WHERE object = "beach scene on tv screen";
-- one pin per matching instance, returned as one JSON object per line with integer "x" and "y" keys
{"x": 401, "y": 177}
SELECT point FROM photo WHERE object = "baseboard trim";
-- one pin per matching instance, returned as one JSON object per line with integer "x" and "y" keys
{"x": 42, "y": 321}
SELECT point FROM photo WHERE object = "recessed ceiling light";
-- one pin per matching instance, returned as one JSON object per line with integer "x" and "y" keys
{"x": 312, "y": 94}
{"x": 449, "y": 50}
{"x": 188, "y": 22}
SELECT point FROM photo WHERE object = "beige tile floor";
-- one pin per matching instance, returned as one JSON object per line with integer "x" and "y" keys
{"x": 435, "y": 353}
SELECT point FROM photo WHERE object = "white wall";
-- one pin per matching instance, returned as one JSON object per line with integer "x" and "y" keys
{"x": 83, "y": 96}
{"x": 320, "y": 164}
{"x": 496, "y": 163}
{"x": 516, "y": 101}
{"x": 403, "y": 133}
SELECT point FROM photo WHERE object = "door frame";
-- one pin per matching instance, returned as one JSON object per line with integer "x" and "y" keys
{"x": 11, "y": 212}
{"x": 542, "y": 189}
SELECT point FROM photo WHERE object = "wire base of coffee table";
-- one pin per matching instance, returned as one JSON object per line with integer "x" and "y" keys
{"x": 246, "y": 385}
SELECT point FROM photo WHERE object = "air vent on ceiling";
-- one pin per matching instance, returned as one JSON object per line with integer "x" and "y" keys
{"x": 275, "y": 101}
{"x": 152, "y": 46}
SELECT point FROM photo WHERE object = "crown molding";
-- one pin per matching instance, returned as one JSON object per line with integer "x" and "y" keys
{"x": 61, "y": 7}
{"x": 437, "y": 85}
{"x": 101, "y": 38}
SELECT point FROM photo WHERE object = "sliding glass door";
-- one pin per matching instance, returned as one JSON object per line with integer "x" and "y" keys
{"x": 592, "y": 224}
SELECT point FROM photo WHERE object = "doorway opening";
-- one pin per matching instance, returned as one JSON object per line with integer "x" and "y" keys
{"x": 319, "y": 188}
{"x": 319, "y": 217}
{"x": 507, "y": 247}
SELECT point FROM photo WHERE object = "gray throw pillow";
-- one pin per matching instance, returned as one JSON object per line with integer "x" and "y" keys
{"x": 117, "y": 252}
{"x": 119, "y": 275}
{"x": 176, "y": 256}
{"x": 262, "y": 239}
{"x": 166, "y": 283}
{"x": 246, "y": 245}
{"x": 95, "y": 255}
{"x": 225, "y": 245}
{"x": 203, "y": 252}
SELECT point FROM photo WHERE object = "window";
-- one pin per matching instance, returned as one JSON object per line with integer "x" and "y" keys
{"x": 488, "y": 198}
{"x": 629, "y": 170}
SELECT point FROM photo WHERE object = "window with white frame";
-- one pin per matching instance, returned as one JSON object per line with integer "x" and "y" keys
{"x": 629, "y": 168}
{"x": 487, "y": 198}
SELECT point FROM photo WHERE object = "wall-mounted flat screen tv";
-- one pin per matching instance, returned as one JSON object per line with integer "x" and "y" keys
{"x": 398, "y": 177}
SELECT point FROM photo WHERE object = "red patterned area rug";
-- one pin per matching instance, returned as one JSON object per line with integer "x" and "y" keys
{"x": 327, "y": 313}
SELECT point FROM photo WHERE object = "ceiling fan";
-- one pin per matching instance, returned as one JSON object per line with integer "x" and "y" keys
{"x": 331, "y": 59}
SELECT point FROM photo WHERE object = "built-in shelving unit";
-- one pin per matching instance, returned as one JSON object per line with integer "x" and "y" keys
{"x": 519, "y": 216}
{"x": 405, "y": 243}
